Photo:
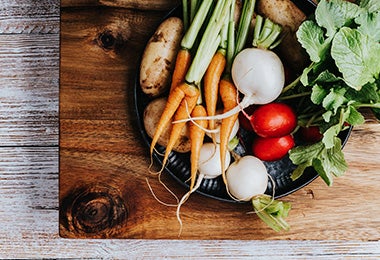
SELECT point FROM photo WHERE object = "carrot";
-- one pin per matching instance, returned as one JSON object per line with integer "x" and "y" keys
{"x": 181, "y": 67}
{"x": 183, "y": 111}
{"x": 211, "y": 83}
{"x": 197, "y": 135}
{"x": 228, "y": 94}
{"x": 175, "y": 98}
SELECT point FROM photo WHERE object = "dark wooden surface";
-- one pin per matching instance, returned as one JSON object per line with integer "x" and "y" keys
{"x": 29, "y": 166}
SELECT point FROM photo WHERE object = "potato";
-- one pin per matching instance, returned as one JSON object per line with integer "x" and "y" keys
{"x": 159, "y": 57}
{"x": 152, "y": 114}
{"x": 290, "y": 17}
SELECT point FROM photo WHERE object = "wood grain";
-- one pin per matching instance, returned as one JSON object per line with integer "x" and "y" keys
{"x": 101, "y": 149}
{"x": 29, "y": 165}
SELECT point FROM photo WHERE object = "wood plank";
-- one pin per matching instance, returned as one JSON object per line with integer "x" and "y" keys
{"x": 19, "y": 16}
{"x": 140, "y": 5}
{"x": 29, "y": 213}
{"x": 29, "y": 80}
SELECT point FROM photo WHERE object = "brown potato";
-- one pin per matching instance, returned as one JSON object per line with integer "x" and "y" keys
{"x": 152, "y": 114}
{"x": 290, "y": 17}
{"x": 159, "y": 57}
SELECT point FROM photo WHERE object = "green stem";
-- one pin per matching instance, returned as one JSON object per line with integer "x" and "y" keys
{"x": 244, "y": 23}
{"x": 374, "y": 105}
{"x": 185, "y": 15}
{"x": 266, "y": 34}
{"x": 303, "y": 94}
{"x": 210, "y": 38}
{"x": 272, "y": 212}
{"x": 231, "y": 41}
{"x": 291, "y": 85}
{"x": 192, "y": 33}
{"x": 193, "y": 9}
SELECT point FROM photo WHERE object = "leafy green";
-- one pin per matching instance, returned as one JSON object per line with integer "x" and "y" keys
{"x": 311, "y": 37}
{"x": 369, "y": 24}
{"x": 357, "y": 57}
{"x": 328, "y": 162}
{"x": 333, "y": 15}
{"x": 342, "y": 41}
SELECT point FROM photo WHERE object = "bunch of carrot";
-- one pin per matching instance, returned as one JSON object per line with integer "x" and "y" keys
{"x": 202, "y": 71}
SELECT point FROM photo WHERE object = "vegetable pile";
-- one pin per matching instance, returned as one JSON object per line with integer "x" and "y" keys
{"x": 219, "y": 76}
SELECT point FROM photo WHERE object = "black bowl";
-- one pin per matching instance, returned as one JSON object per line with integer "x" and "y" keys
{"x": 178, "y": 165}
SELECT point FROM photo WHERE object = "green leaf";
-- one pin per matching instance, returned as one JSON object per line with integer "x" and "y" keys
{"x": 319, "y": 168}
{"x": 299, "y": 170}
{"x": 357, "y": 57}
{"x": 318, "y": 94}
{"x": 326, "y": 77}
{"x": 333, "y": 15}
{"x": 368, "y": 94}
{"x": 334, "y": 99}
{"x": 331, "y": 162}
{"x": 370, "y": 5}
{"x": 354, "y": 117}
{"x": 303, "y": 154}
{"x": 369, "y": 24}
{"x": 311, "y": 37}
{"x": 330, "y": 134}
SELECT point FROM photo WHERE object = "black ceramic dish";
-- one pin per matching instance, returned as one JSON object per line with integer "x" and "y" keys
{"x": 178, "y": 165}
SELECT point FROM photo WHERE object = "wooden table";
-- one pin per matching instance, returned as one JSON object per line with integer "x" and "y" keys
{"x": 338, "y": 222}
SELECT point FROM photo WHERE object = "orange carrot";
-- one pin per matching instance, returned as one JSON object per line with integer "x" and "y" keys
{"x": 211, "y": 83}
{"x": 175, "y": 98}
{"x": 183, "y": 112}
{"x": 228, "y": 94}
{"x": 181, "y": 67}
{"x": 197, "y": 135}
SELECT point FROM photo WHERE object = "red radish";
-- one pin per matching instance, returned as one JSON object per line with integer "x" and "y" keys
{"x": 272, "y": 149}
{"x": 311, "y": 134}
{"x": 273, "y": 120}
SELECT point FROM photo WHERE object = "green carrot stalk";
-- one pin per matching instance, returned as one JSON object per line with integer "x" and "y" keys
{"x": 185, "y": 15}
{"x": 206, "y": 50}
{"x": 244, "y": 23}
{"x": 195, "y": 26}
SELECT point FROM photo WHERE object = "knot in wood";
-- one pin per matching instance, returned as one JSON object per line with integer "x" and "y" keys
{"x": 98, "y": 209}
{"x": 107, "y": 40}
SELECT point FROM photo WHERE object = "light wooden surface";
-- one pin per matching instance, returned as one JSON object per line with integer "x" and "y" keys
{"x": 29, "y": 134}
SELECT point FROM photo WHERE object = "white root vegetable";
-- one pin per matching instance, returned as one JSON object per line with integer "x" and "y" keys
{"x": 209, "y": 165}
{"x": 259, "y": 75}
{"x": 247, "y": 180}
{"x": 247, "y": 177}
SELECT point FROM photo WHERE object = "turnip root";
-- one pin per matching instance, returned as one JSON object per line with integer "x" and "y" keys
{"x": 247, "y": 180}
{"x": 259, "y": 75}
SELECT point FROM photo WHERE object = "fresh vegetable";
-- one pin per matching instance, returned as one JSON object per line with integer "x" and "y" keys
{"x": 272, "y": 148}
{"x": 289, "y": 17}
{"x": 211, "y": 84}
{"x": 182, "y": 65}
{"x": 152, "y": 114}
{"x": 342, "y": 41}
{"x": 273, "y": 120}
{"x": 209, "y": 165}
{"x": 258, "y": 72}
{"x": 310, "y": 134}
{"x": 247, "y": 180}
{"x": 159, "y": 57}
{"x": 197, "y": 135}
{"x": 184, "y": 57}
{"x": 229, "y": 97}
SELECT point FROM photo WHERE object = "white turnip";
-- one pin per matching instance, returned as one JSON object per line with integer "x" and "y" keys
{"x": 247, "y": 180}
